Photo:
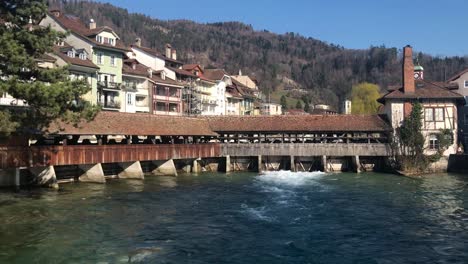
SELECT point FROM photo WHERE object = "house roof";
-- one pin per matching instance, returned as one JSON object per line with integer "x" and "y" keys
{"x": 189, "y": 67}
{"x": 115, "y": 123}
{"x": 76, "y": 26}
{"x": 140, "y": 69}
{"x": 155, "y": 53}
{"x": 299, "y": 123}
{"x": 214, "y": 74}
{"x": 167, "y": 81}
{"x": 48, "y": 58}
{"x": 457, "y": 75}
{"x": 73, "y": 61}
{"x": 423, "y": 90}
{"x": 182, "y": 72}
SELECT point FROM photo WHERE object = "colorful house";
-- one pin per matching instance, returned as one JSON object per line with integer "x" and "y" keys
{"x": 104, "y": 48}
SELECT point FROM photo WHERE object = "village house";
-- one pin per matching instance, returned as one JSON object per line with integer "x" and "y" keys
{"x": 137, "y": 84}
{"x": 271, "y": 109}
{"x": 79, "y": 65}
{"x": 103, "y": 46}
{"x": 218, "y": 94}
{"x": 460, "y": 80}
{"x": 203, "y": 90}
{"x": 438, "y": 101}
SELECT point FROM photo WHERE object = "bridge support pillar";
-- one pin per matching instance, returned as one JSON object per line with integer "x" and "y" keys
{"x": 356, "y": 164}
{"x": 45, "y": 176}
{"x": 228, "y": 163}
{"x": 325, "y": 164}
{"x": 293, "y": 164}
{"x": 168, "y": 168}
{"x": 187, "y": 168}
{"x": 93, "y": 173}
{"x": 196, "y": 167}
{"x": 131, "y": 170}
{"x": 259, "y": 163}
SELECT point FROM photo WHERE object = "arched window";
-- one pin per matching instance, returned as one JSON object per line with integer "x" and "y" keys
{"x": 433, "y": 142}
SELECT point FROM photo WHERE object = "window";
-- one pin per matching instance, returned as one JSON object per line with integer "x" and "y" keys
{"x": 129, "y": 99}
{"x": 438, "y": 114}
{"x": 433, "y": 142}
{"x": 434, "y": 114}
{"x": 111, "y": 78}
{"x": 99, "y": 58}
{"x": 99, "y": 39}
{"x": 83, "y": 56}
{"x": 466, "y": 83}
{"x": 111, "y": 41}
{"x": 71, "y": 54}
{"x": 112, "y": 60}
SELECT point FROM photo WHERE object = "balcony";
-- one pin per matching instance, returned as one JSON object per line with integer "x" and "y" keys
{"x": 209, "y": 102}
{"x": 109, "y": 85}
{"x": 131, "y": 87}
{"x": 110, "y": 105}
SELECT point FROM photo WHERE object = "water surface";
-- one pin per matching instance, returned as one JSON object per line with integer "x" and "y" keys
{"x": 278, "y": 217}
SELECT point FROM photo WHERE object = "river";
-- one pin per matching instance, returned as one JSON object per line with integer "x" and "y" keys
{"x": 277, "y": 217}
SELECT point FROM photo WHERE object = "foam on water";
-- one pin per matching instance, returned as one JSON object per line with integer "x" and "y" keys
{"x": 259, "y": 213}
{"x": 288, "y": 178}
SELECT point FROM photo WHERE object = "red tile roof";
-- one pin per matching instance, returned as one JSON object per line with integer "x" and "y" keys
{"x": 74, "y": 61}
{"x": 214, "y": 74}
{"x": 182, "y": 72}
{"x": 114, "y": 123}
{"x": 167, "y": 81}
{"x": 76, "y": 26}
{"x": 140, "y": 69}
{"x": 189, "y": 67}
{"x": 299, "y": 123}
{"x": 424, "y": 90}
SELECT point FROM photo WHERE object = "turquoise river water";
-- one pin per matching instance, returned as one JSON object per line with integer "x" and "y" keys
{"x": 277, "y": 217}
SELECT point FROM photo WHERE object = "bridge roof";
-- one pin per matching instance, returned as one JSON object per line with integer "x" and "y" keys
{"x": 299, "y": 123}
{"x": 114, "y": 123}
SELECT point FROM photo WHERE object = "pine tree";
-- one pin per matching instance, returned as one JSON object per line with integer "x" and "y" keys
{"x": 298, "y": 105}
{"x": 49, "y": 93}
{"x": 284, "y": 103}
{"x": 411, "y": 140}
{"x": 306, "y": 106}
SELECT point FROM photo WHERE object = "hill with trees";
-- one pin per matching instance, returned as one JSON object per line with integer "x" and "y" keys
{"x": 281, "y": 62}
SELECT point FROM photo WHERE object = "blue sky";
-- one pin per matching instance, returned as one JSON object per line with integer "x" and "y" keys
{"x": 437, "y": 27}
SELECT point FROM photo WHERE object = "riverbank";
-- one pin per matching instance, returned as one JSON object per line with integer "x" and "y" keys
{"x": 276, "y": 217}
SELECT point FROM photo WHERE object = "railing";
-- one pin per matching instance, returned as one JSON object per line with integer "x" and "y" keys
{"x": 34, "y": 156}
{"x": 309, "y": 150}
{"x": 110, "y": 105}
{"x": 109, "y": 85}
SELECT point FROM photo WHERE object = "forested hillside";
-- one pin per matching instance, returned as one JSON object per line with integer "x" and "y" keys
{"x": 325, "y": 70}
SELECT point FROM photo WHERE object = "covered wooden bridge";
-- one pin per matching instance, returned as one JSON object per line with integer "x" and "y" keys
{"x": 132, "y": 141}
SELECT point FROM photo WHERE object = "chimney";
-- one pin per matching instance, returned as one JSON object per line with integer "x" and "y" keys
{"x": 91, "y": 24}
{"x": 138, "y": 42}
{"x": 174, "y": 54}
{"x": 150, "y": 73}
{"x": 168, "y": 51}
{"x": 55, "y": 12}
{"x": 408, "y": 70}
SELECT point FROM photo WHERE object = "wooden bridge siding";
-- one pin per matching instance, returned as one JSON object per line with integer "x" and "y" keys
{"x": 306, "y": 150}
{"x": 92, "y": 154}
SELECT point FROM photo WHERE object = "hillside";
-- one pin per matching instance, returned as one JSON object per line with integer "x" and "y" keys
{"x": 325, "y": 70}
